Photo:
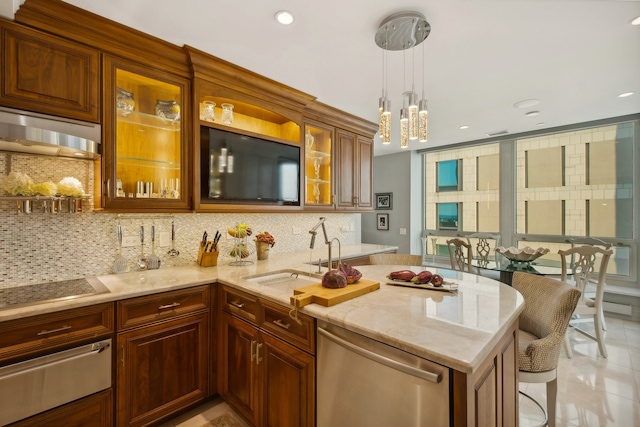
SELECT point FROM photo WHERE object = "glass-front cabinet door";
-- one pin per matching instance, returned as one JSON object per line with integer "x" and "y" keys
{"x": 318, "y": 157}
{"x": 145, "y": 154}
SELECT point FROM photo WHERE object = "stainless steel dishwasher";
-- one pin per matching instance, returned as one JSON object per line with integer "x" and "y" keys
{"x": 33, "y": 386}
{"x": 363, "y": 382}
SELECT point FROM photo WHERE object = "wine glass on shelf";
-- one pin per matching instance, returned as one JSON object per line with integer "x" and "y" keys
{"x": 316, "y": 165}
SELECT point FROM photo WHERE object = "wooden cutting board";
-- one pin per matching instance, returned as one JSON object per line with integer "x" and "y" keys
{"x": 327, "y": 297}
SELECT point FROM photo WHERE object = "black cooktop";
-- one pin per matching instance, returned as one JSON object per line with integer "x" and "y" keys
{"x": 50, "y": 291}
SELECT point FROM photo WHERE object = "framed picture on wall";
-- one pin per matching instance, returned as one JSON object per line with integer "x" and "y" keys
{"x": 382, "y": 221}
{"x": 384, "y": 200}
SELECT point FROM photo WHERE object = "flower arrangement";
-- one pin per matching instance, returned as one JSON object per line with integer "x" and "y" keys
{"x": 21, "y": 184}
{"x": 18, "y": 184}
{"x": 70, "y": 186}
{"x": 266, "y": 238}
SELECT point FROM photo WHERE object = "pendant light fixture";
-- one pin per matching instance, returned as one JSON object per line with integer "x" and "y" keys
{"x": 402, "y": 31}
{"x": 384, "y": 105}
{"x": 423, "y": 113}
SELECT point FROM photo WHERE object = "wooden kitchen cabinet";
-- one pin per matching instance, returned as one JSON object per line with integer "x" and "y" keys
{"x": 354, "y": 171}
{"x": 48, "y": 74}
{"x": 146, "y": 158}
{"x": 162, "y": 361}
{"x": 95, "y": 410}
{"x": 318, "y": 166}
{"x": 267, "y": 367}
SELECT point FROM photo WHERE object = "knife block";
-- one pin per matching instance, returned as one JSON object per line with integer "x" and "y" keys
{"x": 207, "y": 259}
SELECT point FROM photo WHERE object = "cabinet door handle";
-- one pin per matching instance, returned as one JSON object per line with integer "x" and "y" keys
{"x": 258, "y": 358}
{"x": 253, "y": 355}
{"x": 166, "y": 306}
{"x": 237, "y": 304}
{"x": 281, "y": 324}
{"x": 123, "y": 354}
{"x": 45, "y": 332}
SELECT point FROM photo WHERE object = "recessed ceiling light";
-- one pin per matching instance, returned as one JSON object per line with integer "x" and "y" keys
{"x": 464, "y": 127}
{"x": 532, "y": 113}
{"x": 284, "y": 17}
{"x": 636, "y": 21}
{"x": 526, "y": 103}
{"x": 625, "y": 94}
{"x": 540, "y": 124}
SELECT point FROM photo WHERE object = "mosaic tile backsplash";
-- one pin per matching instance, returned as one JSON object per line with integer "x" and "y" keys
{"x": 42, "y": 247}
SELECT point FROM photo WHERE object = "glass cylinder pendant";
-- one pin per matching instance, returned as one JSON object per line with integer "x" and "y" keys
{"x": 423, "y": 116}
{"x": 404, "y": 128}
{"x": 385, "y": 123}
{"x": 413, "y": 116}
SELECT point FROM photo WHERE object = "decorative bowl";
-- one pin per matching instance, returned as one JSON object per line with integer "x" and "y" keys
{"x": 525, "y": 254}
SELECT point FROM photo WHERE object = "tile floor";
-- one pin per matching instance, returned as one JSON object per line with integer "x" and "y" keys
{"x": 592, "y": 391}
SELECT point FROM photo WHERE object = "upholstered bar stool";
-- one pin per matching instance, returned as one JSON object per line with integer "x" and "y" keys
{"x": 548, "y": 305}
{"x": 395, "y": 259}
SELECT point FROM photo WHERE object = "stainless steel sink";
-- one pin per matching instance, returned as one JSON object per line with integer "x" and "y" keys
{"x": 285, "y": 280}
{"x": 50, "y": 291}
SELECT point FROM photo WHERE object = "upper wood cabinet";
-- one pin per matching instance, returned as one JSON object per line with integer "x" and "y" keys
{"x": 262, "y": 110}
{"x": 319, "y": 165}
{"x": 47, "y": 74}
{"x": 354, "y": 168}
{"x": 146, "y": 157}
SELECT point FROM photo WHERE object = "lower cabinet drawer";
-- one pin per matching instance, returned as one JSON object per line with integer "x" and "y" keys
{"x": 276, "y": 320}
{"x": 240, "y": 303}
{"x": 33, "y": 335}
{"x": 148, "y": 309}
{"x": 95, "y": 410}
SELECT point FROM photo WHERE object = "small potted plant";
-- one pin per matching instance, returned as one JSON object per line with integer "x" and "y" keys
{"x": 264, "y": 242}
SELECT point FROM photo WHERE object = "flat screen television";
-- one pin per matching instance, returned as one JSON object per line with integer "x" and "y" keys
{"x": 237, "y": 168}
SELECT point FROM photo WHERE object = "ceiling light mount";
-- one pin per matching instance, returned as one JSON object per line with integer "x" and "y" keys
{"x": 284, "y": 17}
{"x": 402, "y": 31}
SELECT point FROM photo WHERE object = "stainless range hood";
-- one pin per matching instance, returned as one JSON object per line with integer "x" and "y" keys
{"x": 33, "y": 133}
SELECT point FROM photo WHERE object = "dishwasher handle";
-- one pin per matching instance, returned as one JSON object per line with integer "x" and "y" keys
{"x": 426, "y": 375}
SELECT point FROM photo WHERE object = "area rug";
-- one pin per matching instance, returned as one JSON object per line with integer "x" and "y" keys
{"x": 226, "y": 420}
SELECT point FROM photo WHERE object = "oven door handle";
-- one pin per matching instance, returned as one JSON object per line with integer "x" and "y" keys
{"x": 426, "y": 375}
{"x": 96, "y": 348}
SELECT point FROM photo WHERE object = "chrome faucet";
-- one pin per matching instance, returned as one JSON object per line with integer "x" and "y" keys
{"x": 328, "y": 242}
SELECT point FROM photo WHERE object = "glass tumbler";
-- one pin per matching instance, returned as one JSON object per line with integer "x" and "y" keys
{"x": 227, "y": 114}
{"x": 208, "y": 111}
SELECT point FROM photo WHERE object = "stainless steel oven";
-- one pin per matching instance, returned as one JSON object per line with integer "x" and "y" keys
{"x": 36, "y": 385}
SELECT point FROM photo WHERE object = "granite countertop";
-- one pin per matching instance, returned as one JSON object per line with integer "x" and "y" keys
{"x": 454, "y": 329}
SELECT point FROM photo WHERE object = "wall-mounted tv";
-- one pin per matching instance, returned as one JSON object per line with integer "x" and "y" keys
{"x": 237, "y": 168}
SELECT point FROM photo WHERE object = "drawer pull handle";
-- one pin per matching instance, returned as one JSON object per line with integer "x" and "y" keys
{"x": 258, "y": 358}
{"x": 282, "y": 325}
{"x": 164, "y": 307}
{"x": 237, "y": 304}
{"x": 45, "y": 332}
{"x": 253, "y": 355}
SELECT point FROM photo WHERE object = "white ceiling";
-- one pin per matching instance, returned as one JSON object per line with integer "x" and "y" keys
{"x": 481, "y": 57}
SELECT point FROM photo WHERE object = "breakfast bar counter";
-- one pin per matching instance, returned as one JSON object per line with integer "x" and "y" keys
{"x": 455, "y": 329}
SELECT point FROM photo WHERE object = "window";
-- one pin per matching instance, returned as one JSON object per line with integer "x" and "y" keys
{"x": 553, "y": 187}
{"x": 463, "y": 199}
{"x": 576, "y": 183}
{"x": 448, "y": 175}
{"x": 448, "y": 216}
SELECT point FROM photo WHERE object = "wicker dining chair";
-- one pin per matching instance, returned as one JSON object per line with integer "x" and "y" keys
{"x": 548, "y": 306}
